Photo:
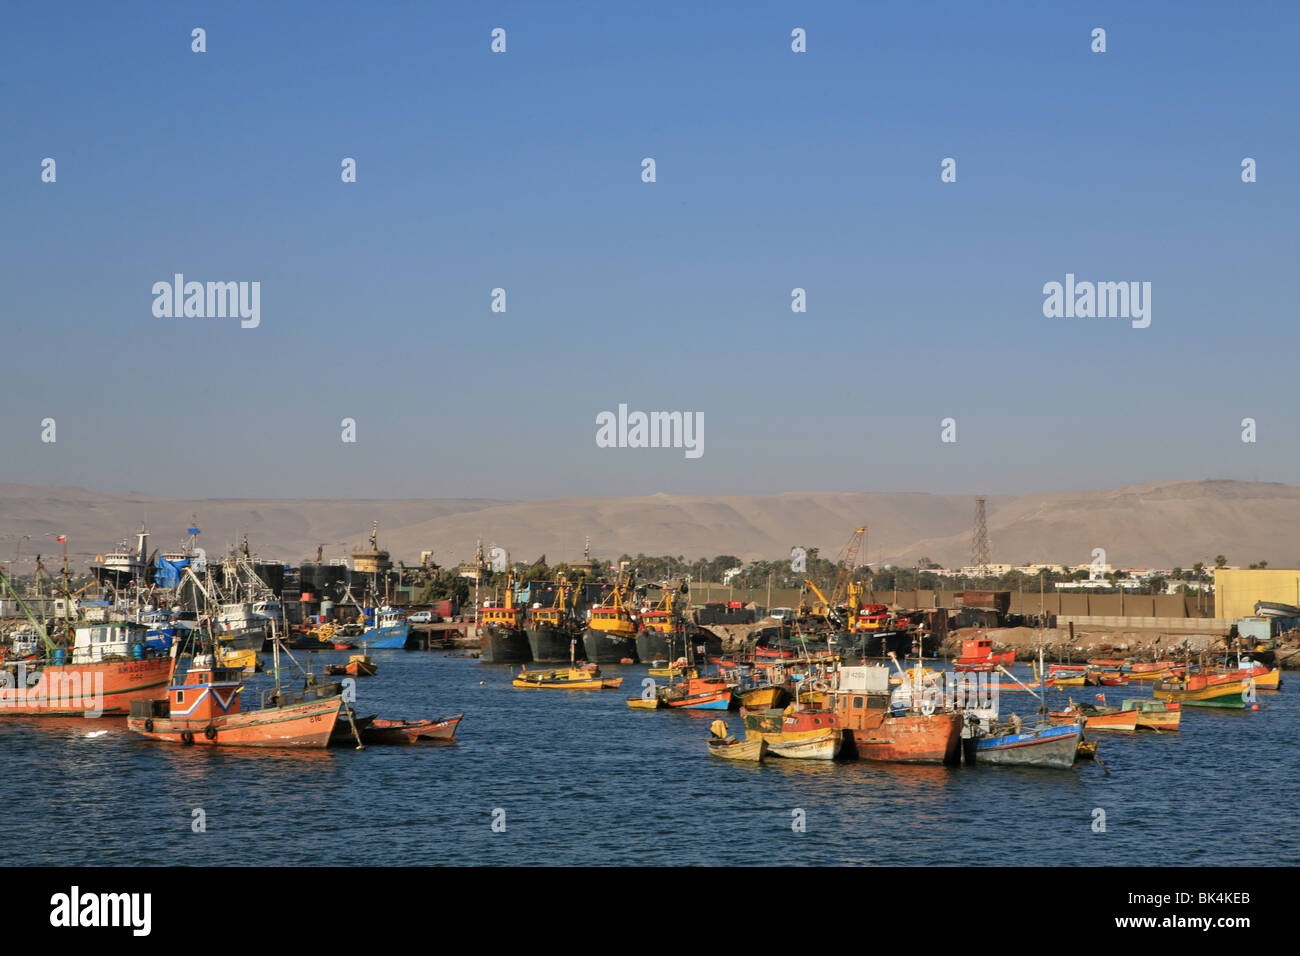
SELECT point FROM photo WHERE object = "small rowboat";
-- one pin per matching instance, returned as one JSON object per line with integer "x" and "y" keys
{"x": 645, "y": 703}
{"x": 732, "y": 749}
{"x": 1100, "y": 718}
{"x": 409, "y": 732}
{"x": 821, "y": 745}
{"x": 358, "y": 665}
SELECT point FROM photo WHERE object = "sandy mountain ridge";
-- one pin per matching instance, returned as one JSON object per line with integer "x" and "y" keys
{"x": 1159, "y": 524}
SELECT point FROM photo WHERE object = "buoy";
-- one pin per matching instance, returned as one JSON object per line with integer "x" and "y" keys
{"x": 481, "y": 683}
{"x": 1254, "y": 706}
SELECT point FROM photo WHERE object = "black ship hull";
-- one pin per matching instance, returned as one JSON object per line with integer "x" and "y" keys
{"x": 551, "y": 645}
{"x": 663, "y": 646}
{"x": 605, "y": 648}
{"x": 500, "y": 645}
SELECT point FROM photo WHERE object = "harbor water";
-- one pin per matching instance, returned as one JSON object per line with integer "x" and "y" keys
{"x": 543, "y": 777}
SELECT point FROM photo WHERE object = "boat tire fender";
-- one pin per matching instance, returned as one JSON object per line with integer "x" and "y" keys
{"x": 187, "y": 737}
{"x": 210, "y": 731}
{"x": 820, "y": 686}
{"x": 148, "y": 725}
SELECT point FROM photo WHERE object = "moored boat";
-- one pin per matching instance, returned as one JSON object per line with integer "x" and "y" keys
{"x": 502, "y": 637}
{"x": 977, "y": 656}
{"x": 723, "y": 745}
{"x": 206, "y": 710}
{"x": 1053, "y": 745}
{"x": 1201, "y": 690}
{"x": 1156, "y": 714}
{"x": 569, "y": 678}
{"x": 875, "y": 728}
{"x": 380, "y": 731}
{"x": 1099, "y": 718}
{"x": 106, "y": 670}
{"x": 610, "y": 635}
{"x": 797, "y": 734}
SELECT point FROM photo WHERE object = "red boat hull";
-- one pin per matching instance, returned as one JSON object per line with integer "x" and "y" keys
{"x": 68, "y": 690}
{"x": 410, "y": 732}
{"x": 297, "y": 725}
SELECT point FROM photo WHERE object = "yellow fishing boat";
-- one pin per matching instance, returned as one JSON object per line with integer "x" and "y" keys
{"x": 247, "y": 659}
{"x": 569, "y": 678}
{"x": 1203, "y": 691}
{"x": 645, "y": 703}
{"x": 764, "y": 698}
{"x": 674, "y": 671}
{"x": 1156, "y": 714}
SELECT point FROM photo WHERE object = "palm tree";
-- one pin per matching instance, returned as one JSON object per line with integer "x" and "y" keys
{"x": 1220, "y": 561}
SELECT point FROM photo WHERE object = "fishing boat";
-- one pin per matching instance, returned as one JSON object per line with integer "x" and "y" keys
{"x": 645, "y": 703}
{"x": 797, "y": 735}
{"x": 722, "y": 744}
{"x": 570, "y": 678}
{"x": 671, "y": 671}
{"x": 389, "y": 632}
{"x": 876, "y": 728}
{"x": 502, "y": 636}
{"x": 553, "y": 637}
{"x": 977, "y": 656}
{"x": 106, "y": 669}
{"x": 772, "y": 696}
{"x": 246, "y": 660}
{"x": 1099, "y": 718}
{"x": 662, "y": 634}
{"x": 358, "y": 665}
{"x": 1265, "y": 678}
{"x": 1054, "y": 745}
{"x": 610, "y": 635}
{"x": 206, "y": 710}
{"x": 1201, "y": 690}
{"x": 1155, "y": 714}
{"x": 700, "y": 693}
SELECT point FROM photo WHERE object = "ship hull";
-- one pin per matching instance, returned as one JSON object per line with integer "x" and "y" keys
{"x": 551, "y": 645}
{"x": 1055, "y": 747}
{"x": 69, "y": 690}
{"x": 251, "y": 638}
{"x": 913, "y": 739}
{"x": 297, "y": 725}
{"x": 604, "y": 647}
{"x": 392, "y": 637}
{"x": 499, "y": 645}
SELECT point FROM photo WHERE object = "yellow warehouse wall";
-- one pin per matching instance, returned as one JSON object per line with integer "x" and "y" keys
{"x": 1236, "y": 590}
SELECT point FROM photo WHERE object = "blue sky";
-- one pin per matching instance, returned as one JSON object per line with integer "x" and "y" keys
{"x": 521, "y": 170}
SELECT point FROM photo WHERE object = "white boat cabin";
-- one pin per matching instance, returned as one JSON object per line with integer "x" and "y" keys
{"x": 98, "y": 642}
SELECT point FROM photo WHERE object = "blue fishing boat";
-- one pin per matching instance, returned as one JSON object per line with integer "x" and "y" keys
{"x": 389, "y": 631}
{"x": 1051, "y": 745}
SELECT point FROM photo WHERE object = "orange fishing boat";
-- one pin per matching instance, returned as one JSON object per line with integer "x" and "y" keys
{"x": 1099, "y": 718}
{"x": 977, "y": 655}
{"x": 206, "y": 710}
